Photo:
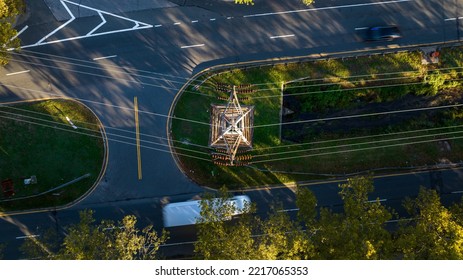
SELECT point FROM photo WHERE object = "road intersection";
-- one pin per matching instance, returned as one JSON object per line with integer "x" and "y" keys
{"x": 109, "y": 59}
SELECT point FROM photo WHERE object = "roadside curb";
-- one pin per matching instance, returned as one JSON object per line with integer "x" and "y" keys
{"x": 97, "y": 181}
{"x": 283, "y": 60}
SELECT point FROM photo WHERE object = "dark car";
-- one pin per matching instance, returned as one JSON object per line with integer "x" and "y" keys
{"x": 383, "y": 33}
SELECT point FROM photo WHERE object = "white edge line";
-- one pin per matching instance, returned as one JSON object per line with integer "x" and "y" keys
{"x": 99, "y": 25}
{"x": 326, "y": 8}
{"x": 282, "y": 36}
{"x": 457, "y": 192}
{"x": 104, "y": 57}
{"x": 192, "y": 46}
{"x": 19, "y": 33}
{"x": 20, "y": 72}
{"x": 449, "y": 19}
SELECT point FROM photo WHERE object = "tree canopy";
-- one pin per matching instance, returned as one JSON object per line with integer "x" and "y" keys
{"x": 8, "y": 10}
{"x": 433, "y": 232}
{"x": 358, "y": 232}
{"x": 107, "y": 240}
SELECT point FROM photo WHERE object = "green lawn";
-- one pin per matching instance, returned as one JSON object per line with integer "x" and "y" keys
{"x": 36, "y": 139}
{"x": 324, "y": 89}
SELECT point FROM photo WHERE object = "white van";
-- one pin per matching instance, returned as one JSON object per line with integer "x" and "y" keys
{"x": 188, "y": 212}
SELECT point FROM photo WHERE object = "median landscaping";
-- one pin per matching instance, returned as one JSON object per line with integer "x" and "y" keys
{"x": 51, "y": 153}
{"x": 330, "y": 118}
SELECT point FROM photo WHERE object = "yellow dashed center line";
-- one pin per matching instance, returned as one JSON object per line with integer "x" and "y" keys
{"x": 137, "y": 130}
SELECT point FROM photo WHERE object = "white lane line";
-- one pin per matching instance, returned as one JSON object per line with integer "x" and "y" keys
{"x": 449, "y": 19}
{"x": 158, "y": 25}
{"x": 28, "y": 236}
{"x": 213, "y": 19}
{"x": 327, "y": 8}
{"x": 99, "y": 25}
{"x": 361, "y": 28}
{"x": 192, "y": 46}
{"x": 177, "y": 23}
{"x": 20, "y": 72}
{"x": 460, "y": 17}
{"x": 194, "y": 21}
{"x": 104, "y": 57}
{"x": 282, "y": 36}
{"x": 19, "y": 33}
{"x": 457, "y": 192}
{"x": 229, "y": 17}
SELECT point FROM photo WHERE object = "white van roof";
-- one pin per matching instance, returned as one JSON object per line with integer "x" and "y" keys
{"x": 188, "y": 212}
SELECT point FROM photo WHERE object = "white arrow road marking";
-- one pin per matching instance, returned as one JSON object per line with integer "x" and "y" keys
{"x": 137, "y": 25}
{"x": 60, "y": 27}
{"x": 99, "y": 25}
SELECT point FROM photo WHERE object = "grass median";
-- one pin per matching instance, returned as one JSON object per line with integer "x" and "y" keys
{"x": 38, "y": 139}
{"x": 319, "y": 136}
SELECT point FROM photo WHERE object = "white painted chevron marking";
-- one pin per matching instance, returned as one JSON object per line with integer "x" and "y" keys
{"x": 93, "y": 33}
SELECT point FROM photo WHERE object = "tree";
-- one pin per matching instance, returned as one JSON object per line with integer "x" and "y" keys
{"x": 219, "y": 238}
{"x": 283, "y": 239}
{"x": 248, "y": 237}
{"x": 104, "y": 241}
{"x": 358, "y": 232}
{"x": 8, "y": 10}
{"x": 434, "y": 232}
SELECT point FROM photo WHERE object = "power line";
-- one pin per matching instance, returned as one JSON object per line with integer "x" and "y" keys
{"x": 18, "y": 116}
{"x": 363, "y": 115}
{"x": 110, "y": 139}
{"x": 40, "y": 56}
{"x": 356, "y": 150}
{"x": 107, "y": 127}
{"x": 360, "y": 143}
{"x": 106, "y": 104}
{"x": 356, "y": 138}
{"x": 346, "y": 89}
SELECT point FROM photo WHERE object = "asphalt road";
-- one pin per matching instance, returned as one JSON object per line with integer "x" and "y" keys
{"x": 107, "y": 59}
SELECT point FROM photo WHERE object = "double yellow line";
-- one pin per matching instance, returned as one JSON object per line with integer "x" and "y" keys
{"x": 137, "y": 130}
